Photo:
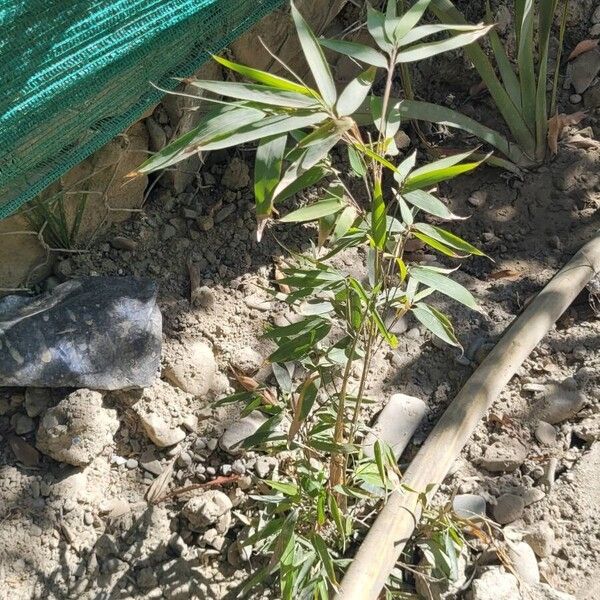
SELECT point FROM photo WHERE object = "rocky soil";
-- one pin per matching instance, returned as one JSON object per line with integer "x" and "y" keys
{"x": 94, "y": 498}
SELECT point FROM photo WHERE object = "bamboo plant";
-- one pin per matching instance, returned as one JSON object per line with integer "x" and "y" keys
{"x": 308, "y": 518}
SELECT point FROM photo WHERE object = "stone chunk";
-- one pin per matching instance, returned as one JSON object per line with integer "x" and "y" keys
{"x": 238, "y": 431}
{"x": 101, "y": 333}
{"x": 561, "y": 401}
{"x": 211, "y": 508}
{"x": 396, "y": 423}
{"x": 505, "y": 455}
{"x": 495, "y": 584}
{"x": 541, "y": 539}
{"x": 509, "y": 508}
{"x": 469, "y": 506}
{"x": 77, "y": 429}
{"x": 193, "y": 370}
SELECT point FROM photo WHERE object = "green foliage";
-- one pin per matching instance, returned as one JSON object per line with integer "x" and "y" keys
{"x": 308, "y": 516}
{"x": 520, "y": 91}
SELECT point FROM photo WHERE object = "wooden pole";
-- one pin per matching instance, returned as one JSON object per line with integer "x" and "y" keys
{"x": 394, "y": 526}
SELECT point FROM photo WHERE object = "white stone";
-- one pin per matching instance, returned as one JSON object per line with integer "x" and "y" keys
{"x": 193, "y": 371}
{"x": 524, "y": 562}
{"x": 504, "y": 455}
{"x": 396, "y": 423}
{"x": 469, "y": 506}
{"x": 161, "y": 433}
{"x": 208, "y": 509}
{"x": 560, "y": 402}
{"x": 541, "y": 539}
{"x": 495, "y": 584}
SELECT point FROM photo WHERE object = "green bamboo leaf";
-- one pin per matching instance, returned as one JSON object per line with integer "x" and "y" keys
{"x": 447, "y": 238}
{"x": 338, "y": 519}
{"x": 355, "y": 93}
{"x": 267, "y": 170}
{"x": 254, "y": 93}
{"x": 309, "y": 178}
{"x": 379, "y": 218}
{"x": 376, "y": 27}
{"x": 427, "y": 111}
{"x": 266, "y": 78}
{"x": 405, "y": 211}
{"x": 439, "y": 170}
{"x": 392, "y": 121}
{"x": 322, "y": 208}
{"x": 266, "y": 127}
{"x": 427, "y": 50}
{"x": 263, "y": 433}
{"x": 405, "y": 167}
{"x": 311, "y": 155}
{"x": 344, "y": 222}
{"x": 379, "y": 462}
{"x": 315, "y": 58}
{"x": 220, "y": 121}
{"x": 408, "y": 20}
{"x": 289, "y": 489}
{"x": 437, "y": 245}
{"x": 321, "y": 549}
{"x": 430, "y": 204}
{"x": 436, "y": 322}
{"x": 359, "y": 52}
{"x": 443, "y": 284}
{"x": 356, "y": 162}
{"x": 418, "y": 33}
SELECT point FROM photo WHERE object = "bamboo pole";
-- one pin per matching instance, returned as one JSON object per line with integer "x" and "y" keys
{"x": 395, "y": 524}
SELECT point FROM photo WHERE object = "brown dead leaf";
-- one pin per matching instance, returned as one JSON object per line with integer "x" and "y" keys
{"x": 580, "y": 141}
{"x": 504, "y": 273}
{"x": 279, "y": 275}
{"x": 556, "y": 125}
{"x": 23, "y": 451}
{"x": 268, "y": 396}
{"x": 159, "y": 486}
{"x": 582, "y": 47}
{"x": 248, "y": 383}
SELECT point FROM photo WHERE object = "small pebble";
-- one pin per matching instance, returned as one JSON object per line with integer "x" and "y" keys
{"x": 509, "y": 508}
{"x": 575, "y": 98}
{"x": 131, "y": 463}
{"x": 545, "y": 433}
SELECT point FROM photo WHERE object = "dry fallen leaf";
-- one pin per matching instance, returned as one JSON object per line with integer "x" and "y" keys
{"x": 583, "y": 46}
{"x": 24, "y": 452}
{"x": 279, "y": 275}
{"x": 248, "y": 383}
{"x": 580, "y": 141}
{"x": 159, "y": 486}
{"x": 557, "y": 123}
{"x": 504, "y": 273}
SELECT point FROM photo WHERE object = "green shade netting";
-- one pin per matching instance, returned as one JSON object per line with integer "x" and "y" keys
{"x": 75, "y": 73}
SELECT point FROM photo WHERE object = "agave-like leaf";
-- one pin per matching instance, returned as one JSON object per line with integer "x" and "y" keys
{"x": 526, "y": 65}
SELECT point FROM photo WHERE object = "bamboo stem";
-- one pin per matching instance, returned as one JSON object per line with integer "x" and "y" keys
{"x": 395, "y": 524}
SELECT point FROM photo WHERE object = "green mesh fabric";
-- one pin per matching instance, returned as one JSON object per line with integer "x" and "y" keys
{"x": 75, "y": 73}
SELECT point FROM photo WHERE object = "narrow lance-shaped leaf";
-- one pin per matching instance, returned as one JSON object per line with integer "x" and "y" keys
{"x": 264, "y": 77}
{"x": 436, "y": 322}
{"x": 220, "y": 121}
{"x": 418, "y": 33}
{"x": 379, "y": 218}
{"x": 312, "y": 155}
{"x": 405, "y": 167}
{"x": 322, "y": 208}
{"x": 315, "y": 58}
{"x": 447, "y": 238}
{"x": 267, "y": 170}
{"x": 307, "y": 179}
{"x": 254, "y": 93}
{"x": 410, "y": 18}
{"x": 430, "y": 204}
{"x": 357, "y": 51}
{"x": 355, "y": 93}
{"x": 392, "y": 119}
{"x": 423, "y": 51}
{"x": 440, "y": 282}
{"x": 376, "y": 27}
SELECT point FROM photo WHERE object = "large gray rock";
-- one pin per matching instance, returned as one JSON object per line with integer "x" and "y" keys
{"x": 495, "y": 584}
{"x": 101, "y": 333}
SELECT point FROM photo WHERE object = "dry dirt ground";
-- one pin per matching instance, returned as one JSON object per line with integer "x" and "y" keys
{"x": 70, "y": 532}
